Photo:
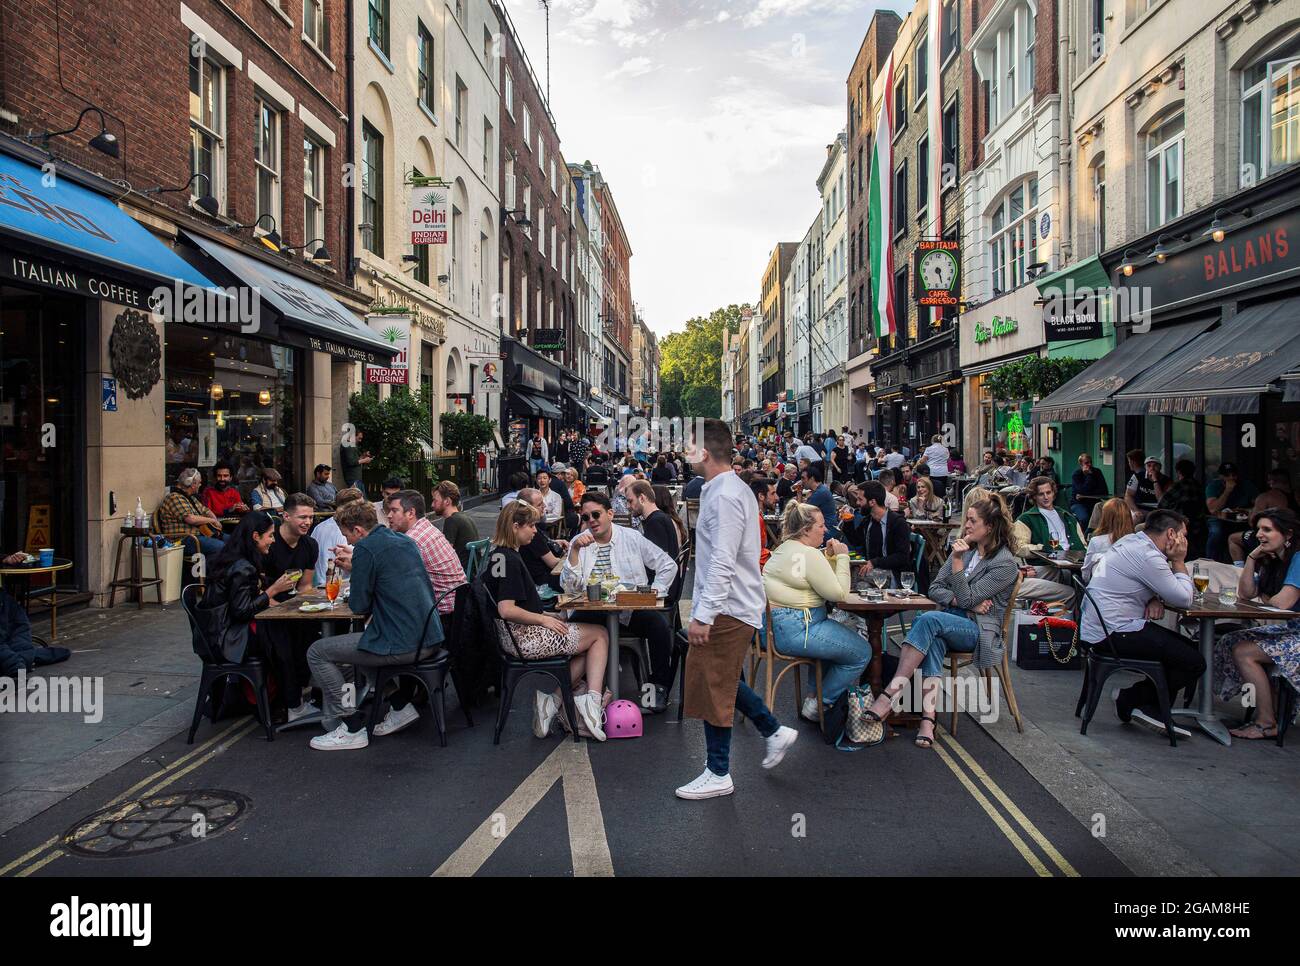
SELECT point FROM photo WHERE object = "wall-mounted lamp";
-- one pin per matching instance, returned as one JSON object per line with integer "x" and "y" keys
{"x": 104, "y": 142}
{"x": 204, "y": 202}
{"x": 218, "y": 391}
{"x": 1218, "y": 229}
{"x": 520, "y": 215}
{"x": 320, "y": 256}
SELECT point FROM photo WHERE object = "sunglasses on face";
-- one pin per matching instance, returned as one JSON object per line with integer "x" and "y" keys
{"x": 592, "y": 517}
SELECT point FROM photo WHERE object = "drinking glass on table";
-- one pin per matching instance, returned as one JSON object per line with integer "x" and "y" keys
{"x": 1201, "y": 581}
{"x": 880, "y": 578}
{"x": 332, "y": 588}
{"x": 908, "y": 580}
{"x": 1055, "y": 545}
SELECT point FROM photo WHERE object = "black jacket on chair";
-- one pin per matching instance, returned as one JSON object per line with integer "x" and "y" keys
{"x": 896, "y": 554}
{"x": 227, "y": 608}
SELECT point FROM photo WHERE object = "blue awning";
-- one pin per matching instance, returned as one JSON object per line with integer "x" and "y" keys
{"x": 302, "y": 305}
{"x": 56, "y": 213}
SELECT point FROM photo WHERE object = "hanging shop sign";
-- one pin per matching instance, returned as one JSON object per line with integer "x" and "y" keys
{"x": 548, "y": 340}
{"x": 396, "y": 331}
{"x": 489, "y": 377}
{"x": 1071, "y": 318}
{"x": 430, "y": 214}
{"x": 938, "y": 272}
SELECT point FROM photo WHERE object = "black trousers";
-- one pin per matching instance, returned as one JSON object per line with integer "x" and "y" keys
{"x": 1181, "y": 658}
{"x": 651, "y": 625}
{"x": 940, "y": 485}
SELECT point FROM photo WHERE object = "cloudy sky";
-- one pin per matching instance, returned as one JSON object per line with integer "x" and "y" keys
{"x": 710, "y": 120}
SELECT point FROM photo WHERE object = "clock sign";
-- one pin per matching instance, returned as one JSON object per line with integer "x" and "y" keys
{"x": 938, "y": 272}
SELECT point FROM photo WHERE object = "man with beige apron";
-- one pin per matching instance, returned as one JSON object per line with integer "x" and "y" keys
{"x": 726, "y": 612}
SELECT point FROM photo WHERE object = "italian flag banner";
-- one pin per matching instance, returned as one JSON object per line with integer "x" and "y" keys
{"x": 880, "y": 212}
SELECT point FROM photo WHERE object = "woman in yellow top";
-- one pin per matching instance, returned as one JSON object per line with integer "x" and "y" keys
{"x": 799, "y": 580}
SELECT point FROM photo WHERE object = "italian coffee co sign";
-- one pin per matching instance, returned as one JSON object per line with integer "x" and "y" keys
{"x": 430, "y": 214}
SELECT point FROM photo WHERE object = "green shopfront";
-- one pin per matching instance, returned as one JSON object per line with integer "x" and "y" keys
{"x": 992, "y": 335}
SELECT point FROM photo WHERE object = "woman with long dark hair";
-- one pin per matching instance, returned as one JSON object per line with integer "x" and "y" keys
{"x": 1271, "y": 574}
{"x": 665, "y": 502}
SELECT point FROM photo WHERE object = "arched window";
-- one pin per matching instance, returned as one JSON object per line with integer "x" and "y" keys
{"x": 1270, "y": 113}
{"x": 1163, "y": 146}
{"x": 1013, "y": 236}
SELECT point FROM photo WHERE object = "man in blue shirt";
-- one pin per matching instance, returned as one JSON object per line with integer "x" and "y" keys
{"x": 819, "y": 495}
{"x": 390, "y": 584}
{"x": 1222, "y": 496}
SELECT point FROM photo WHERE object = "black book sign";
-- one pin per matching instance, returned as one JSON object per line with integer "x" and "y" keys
{"x": 1069, "y": 318}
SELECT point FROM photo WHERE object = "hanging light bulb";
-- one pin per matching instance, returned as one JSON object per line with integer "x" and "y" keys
{"x": 264, "y": 397}
{"x": 218, "y": 391}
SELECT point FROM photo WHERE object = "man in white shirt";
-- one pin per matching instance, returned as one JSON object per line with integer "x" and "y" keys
{"x": 603, "y": 547}
{"x": 552, "y": 502}
{"x": 1130, "y": 587}
{"x": 727, "y": 609}
{"x": 895, "y": 459}
{"x": 936, "y": 458}
{"x": 810, "y": 453}
{"x": 328, "y": 536}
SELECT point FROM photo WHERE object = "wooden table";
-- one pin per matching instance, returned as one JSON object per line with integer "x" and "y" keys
{"x": 1209, "y": 609}
{"x": 875, "y": 613}
{"x": 611, "y": 610}
{"x": 935, "y": 534}
{"x": 1071, "y": 560}
{"x": 27, "y": 571}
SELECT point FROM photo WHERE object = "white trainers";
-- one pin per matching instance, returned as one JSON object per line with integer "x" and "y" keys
{"x": 340, "y": 739}
{"x": 304, "y": 709}
{"x": 1140, "y": 717}
{"x": 708, "y": 785}
{"x": 809, "y": 710}
{"x": 395, "y": 721}
{"x": 591, "y": 714}
{"x": 778, "y": 744}
{"x": 544, "y": 710}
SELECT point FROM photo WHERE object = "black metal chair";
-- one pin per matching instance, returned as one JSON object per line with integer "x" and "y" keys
{"x": 1100, "y": 664}
{"x": 1285, "y": 701}
{"x": 217, "y": 668}
{"x": 431, "y": 671}
{"x": 516, "y": 667}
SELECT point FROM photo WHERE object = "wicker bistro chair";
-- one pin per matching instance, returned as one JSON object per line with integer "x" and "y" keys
{"x": 764, "y": 650}
{"x": 958, "y": 660}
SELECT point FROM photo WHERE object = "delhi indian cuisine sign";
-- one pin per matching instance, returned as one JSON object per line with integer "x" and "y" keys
{"x": 430, "y": 214}
{"x": 396, "y": 331}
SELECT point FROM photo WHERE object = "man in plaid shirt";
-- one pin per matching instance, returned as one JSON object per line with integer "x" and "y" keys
{"x": 182, "y": 513}
{"x": 405, "y": 513}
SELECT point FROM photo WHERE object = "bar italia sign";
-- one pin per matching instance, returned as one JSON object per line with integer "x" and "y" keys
{"x": 997, "y": 327}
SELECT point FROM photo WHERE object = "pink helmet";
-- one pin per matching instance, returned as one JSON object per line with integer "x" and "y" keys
{"x": 622, "y": 720}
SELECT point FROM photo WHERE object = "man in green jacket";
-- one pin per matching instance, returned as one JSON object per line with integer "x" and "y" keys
{"x": 1043, "y": 521}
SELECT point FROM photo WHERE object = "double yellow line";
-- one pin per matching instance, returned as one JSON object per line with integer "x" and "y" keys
{"x": 51, "y": 849}
{"x": 946, "y": 741}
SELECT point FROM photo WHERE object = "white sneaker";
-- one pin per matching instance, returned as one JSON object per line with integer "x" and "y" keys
{"x": 1140, "y": 717}
{"x": 544, "y": 710}
{"x": 778, "y": 744}
{"x": 395, "y": 721}
{"x": 340, "y": 739}
{"x": 591, "y": 714}
{"x": 304, "y": 709}
{"x": 708, "y": 785}
{"x": 809, "y": 710}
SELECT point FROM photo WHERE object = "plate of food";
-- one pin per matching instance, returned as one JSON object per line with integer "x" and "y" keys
{"x": 306, "y": 608}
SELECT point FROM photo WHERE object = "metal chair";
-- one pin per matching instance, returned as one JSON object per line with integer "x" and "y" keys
{"x": 431, "y": 671}
{"x": 217, "y": 668}
{"x": 516, "y": 667}
{"x": 475, "y": 554}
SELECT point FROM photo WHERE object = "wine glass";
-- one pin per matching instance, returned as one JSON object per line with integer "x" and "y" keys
{"x": 881, "y": 579}
{"x": 908, "y": 580}
{"x": 1055, "y": 544}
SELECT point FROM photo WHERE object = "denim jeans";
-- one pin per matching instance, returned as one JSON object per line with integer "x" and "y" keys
{"x": 537, "y": 465}
{"x": 1083, "y": 513}
{"x": 936, "y": 632}
{"x": 810, "y": 633}
{"x": 210, "y": 546}
{"x": 717, "y": 741}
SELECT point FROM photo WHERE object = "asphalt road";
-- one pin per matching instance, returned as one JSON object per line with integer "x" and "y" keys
{"x": 235, "y": 804}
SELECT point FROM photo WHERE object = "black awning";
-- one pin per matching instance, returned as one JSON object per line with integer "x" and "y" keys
{"x": 521, "y": 400}
{"x": 1225, "y": 370}
{"x": 1083, "y": 397}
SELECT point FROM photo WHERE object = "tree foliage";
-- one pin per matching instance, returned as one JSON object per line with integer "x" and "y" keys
{"x": 467, "y": 433}
{"x": 393, "y": 428}
{"x": 1033, "y": 377}
{"x": 690, "y": 371}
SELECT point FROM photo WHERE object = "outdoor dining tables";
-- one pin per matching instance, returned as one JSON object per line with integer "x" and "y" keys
{"x": 611, "y": 610}
{"x": 1209, "y": 609}
{"x": 1071, "y": 560}
{"x": 876, "y": 612}
{"x": 291, "y": 610}
{"x": 27, "y": 571}
{"x": 935, "y": 534}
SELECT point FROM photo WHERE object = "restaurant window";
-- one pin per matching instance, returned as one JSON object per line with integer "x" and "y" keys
{"x": 900, "y": 103}
{"x": 1099, "y": 207}
{"x": 425, "y": 83}
{"x": 379, "y": 24}
{"x": 207, "y": 125}
{"x": 313, "y": 193}
{"x": 1164, "y": 157}
{"x": 922, "y": 175}
{"x": 315, "y": 25}
{"x": 921, "y": 58}
{"x": 1184, "y": 429}
{"x": 230, "y": 399}
{"x": 266, "y": 159}
{"x": 948, "y": 33}
{"x": 462, "y": 105}
{"x": 900, "y": 198}
{"x": 1213, "y": 442}
{"x": 41, "y": 344}
{"x": 372, "y": 189}
{"x": 1270, "y": 115}
{"x": 948, "y": 173}
{"x": 1012, "y": 236}
{"x": 421, "y": 252}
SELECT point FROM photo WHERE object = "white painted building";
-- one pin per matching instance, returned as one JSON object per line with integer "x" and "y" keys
{"x": 588, "y": 208}
{"x": 730, "y": 355}
{"x": 816, "y": 303}
{"x": 830, "y": 337}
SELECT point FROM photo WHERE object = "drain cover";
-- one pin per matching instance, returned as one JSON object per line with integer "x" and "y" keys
{"x": 156, "y": 823}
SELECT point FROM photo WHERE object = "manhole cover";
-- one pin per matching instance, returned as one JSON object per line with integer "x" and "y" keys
{"x": 156, "y": 823}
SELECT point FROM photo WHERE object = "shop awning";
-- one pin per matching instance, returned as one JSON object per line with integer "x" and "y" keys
{"x": 1088, "y": 273}
{"x": 68, "y": 218}
{"x": 1225, "y": 370}
{"x": 1083, "y": 397}
{"x": 301, "y": 305}
{"x": 523, "y": 401}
